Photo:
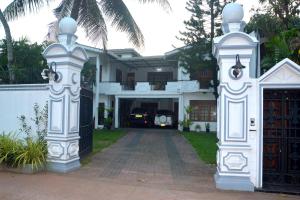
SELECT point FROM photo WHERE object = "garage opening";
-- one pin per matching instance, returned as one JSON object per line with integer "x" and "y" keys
{"x": 148, "y": 113}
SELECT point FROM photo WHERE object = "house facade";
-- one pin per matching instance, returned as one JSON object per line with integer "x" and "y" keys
{"x": 126, "y": 80}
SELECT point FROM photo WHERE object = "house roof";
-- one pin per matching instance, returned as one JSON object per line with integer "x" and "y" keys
{"x": 137, "y": 61}
{"x": 149, "y": 61}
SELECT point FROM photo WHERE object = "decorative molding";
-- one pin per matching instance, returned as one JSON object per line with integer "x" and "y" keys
{"x": 56, "y": 130}
{"x": 74, "y": 129}
{"x": 63, "y": 88}
{"x": 73, "y": 149}
{"x": 75, "y": 78}
{"x": 55, "y": 149}
{"x": 232, "y": 91}
{"x": 287, "y": 63}
{"x": 244, "y": 121}
{"x": 235, "y": 161}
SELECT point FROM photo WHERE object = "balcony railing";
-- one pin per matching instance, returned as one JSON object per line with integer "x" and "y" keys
{"x": 148, "y": 87}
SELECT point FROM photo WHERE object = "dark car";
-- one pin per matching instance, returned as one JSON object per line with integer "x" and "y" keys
{"x": 141, "y": 117}
{"x": 164, "y": 118}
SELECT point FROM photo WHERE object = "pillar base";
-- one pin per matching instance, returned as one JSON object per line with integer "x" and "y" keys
{"x": 63, "y": 167}
{"x": 233, "y": 183}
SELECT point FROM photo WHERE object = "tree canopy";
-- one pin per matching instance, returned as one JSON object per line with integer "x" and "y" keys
{"x": 92, "y": 15}
{"x": 27, "y": 65}
{"x": 278, "y": 24}
{"x": 203, "y": 25}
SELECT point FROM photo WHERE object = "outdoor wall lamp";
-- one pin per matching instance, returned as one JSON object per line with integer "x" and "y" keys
{"x": 237, "y": 68}
{"x": 50, "y": 74}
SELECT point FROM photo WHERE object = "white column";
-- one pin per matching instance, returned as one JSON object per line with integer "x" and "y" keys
{"x": 64, "y": 99}
{"x": 97, "y": 90}
{"x": 180, "y": 110}
{"x": 236, "y": 158}
{"x": 116, "y": 115}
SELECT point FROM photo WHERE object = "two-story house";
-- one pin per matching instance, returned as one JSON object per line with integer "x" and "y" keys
{"x": 126, "y": 80}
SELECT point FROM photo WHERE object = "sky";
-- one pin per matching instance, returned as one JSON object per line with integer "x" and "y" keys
{"x": 159, "y": 27}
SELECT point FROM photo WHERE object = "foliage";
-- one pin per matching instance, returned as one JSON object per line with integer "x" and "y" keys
{"x": 204, "y": 144}
{"x": 207, "y": 125}
{"x": 33, "y": 153}
{"x": 17, "y": 153}
{"x": 278, "y": 24}
{"x": 9, "y": 47}
{"x": 32, "y": 150}
{"x": 186, "y": 123}
{"x": 88, "y": 75}
{"x": 89, "y": 14}
{"x": 108, "y": 122}
{"x": 198, "y": 127}
{"x": 284, "y": 10}
{"x": 10, "y": 147}
{"x": 266, "y": 24}
{"x": 284, "y": 45}
{"x": 27, "y": 64}
{"x": 40, "y": 120}
{"x": 201, "y": 28}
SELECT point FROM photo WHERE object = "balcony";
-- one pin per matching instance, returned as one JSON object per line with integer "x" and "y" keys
{"x": 172, "y": 87}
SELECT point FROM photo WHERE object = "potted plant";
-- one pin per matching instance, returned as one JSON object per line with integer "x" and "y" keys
{"x": 207, "y": 127}
{"x": 198, "y": 128}
{"x": 186, "y": 123}
{"x": 108, "y": 123}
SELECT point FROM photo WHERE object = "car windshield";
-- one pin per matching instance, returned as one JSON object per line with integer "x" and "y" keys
{"x": 164, "y": 112}
{"x": 139, "y": 110}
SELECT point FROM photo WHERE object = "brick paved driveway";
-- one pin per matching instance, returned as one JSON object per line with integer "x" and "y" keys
{"x": 143, "y": 165}
{"x": 154, "y": 157}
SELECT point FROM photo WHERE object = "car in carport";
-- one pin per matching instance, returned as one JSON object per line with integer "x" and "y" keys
{"x": 164, "y": 118}
{"x": 141, "y": 117}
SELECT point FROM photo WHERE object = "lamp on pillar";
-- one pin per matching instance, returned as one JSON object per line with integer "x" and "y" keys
{"x": 50, "y": 74}
{"x": 237, "y": 68}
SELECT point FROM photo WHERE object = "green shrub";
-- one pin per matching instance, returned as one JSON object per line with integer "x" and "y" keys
{"x": 17, "y": 153}
{"x": 33, "y": 153}
{"x": 10, "y": 147}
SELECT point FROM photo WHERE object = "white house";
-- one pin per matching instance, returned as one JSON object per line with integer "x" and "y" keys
{"x": 126, "y": 80}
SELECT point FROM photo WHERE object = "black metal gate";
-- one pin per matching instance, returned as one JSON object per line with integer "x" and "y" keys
{"x": 86, "y": 122}
{"x": 281, "y": 138}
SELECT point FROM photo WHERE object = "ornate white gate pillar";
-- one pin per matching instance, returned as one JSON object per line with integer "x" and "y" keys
{"x": 237, "y": 106}
{"x": 64, "y": 99}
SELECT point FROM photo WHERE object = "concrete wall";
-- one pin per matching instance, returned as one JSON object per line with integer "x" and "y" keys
{"x": 17, "y": 100}
{"x": 199, "y": 96}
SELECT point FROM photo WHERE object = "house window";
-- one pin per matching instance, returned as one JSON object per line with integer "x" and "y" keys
{"x": 203, "y": 111}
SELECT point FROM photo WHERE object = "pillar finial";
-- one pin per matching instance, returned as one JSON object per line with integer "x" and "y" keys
{"x": 232, "y": 18}
{"x": 67, "y": 29}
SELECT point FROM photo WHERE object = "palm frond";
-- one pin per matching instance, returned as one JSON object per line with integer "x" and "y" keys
{"x": 18, "y": 8}
{"x": 121, "y": 18}
{"x": 163, "y": 3}
{"x": 64, "y": 9}
{"x": 91, "y": 19}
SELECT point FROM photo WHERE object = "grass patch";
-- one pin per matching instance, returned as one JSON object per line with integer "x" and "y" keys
{"x": 204, "y": 144}
{"x": 103, "y": 139}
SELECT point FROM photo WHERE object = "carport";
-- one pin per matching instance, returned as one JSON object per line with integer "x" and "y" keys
{"x": 125, "y": 104}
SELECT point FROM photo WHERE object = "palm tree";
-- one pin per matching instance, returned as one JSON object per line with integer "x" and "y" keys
{"x": 9, "y": 46}
{"x": 90, "y": 15}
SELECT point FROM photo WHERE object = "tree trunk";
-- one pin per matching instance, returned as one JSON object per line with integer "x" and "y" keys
{"x": 212, "y": 35}
{"x": 9, "y": 47}
{"x": 75, "y": 9}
